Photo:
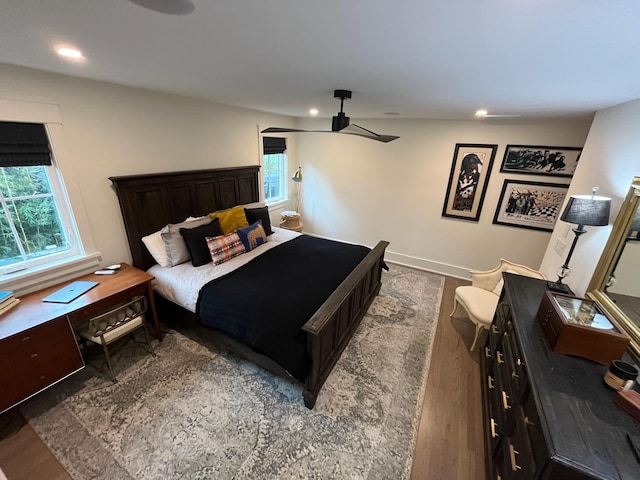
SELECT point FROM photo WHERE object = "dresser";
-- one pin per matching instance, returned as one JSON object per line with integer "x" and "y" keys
{"x": 38, "y": 345}
{"x": 546, "y": 415}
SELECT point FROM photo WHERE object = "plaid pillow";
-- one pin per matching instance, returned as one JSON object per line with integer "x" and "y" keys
{"x": 225, "y": 247}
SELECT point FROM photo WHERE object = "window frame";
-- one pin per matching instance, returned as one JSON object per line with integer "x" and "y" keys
{"x": 87, "y": 258}
{"x": 284, "y": 197}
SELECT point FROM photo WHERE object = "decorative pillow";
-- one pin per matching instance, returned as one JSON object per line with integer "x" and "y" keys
{"x": 262, "y": 214}
{"x": 231, "y": 219}
{"x": 175, "y": 246}
{"x": 252, "y": 236}
{"x": 156, "y": 248}
{"x": 225, "y": 247}
{"x": 196, "y": 240}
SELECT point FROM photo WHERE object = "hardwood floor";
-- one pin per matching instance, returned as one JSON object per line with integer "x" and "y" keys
{"x": 449, "y": 444}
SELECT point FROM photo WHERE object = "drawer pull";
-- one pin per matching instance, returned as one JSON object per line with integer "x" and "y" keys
{"x": 528, "y": 422}
{"x": 24, "y": 339}
{"x": 514, "y": 374}
{"x": 33, "y": 355}
{"x": 512, "y": 453}
{"x": 487, "y": 352}
{"x": 494, "y": 329}
{"x": 493, "y": 428}
{"x": 490, "y": 382}
{"x": 500, "y": 359}
{"x": 519, "y": 362}
{"x": 505, "y": 400}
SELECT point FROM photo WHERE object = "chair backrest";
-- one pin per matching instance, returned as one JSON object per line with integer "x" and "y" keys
{"x": 507, "y": 266}
{"x": 117, "y": 317}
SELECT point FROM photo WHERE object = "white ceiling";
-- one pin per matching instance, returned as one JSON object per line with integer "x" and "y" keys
{"x": 419, "y": 58}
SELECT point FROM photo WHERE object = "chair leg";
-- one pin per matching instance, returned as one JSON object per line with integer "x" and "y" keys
{"x": 455, "y": 306}
{"x": 106, "y": 354}
{"x": 475, "y": 338}
{"x": 146, "y": 334}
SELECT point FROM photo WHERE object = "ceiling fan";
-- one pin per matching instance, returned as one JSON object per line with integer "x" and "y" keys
{"x": 340, "y": 124}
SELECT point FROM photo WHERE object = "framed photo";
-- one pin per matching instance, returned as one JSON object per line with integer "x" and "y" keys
{"x": 468, "y": 180}
{"x": 551, "y": 161}
{"x": 532, "y": 205}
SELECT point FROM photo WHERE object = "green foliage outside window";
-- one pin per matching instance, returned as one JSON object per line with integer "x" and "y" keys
{"x": 28, "y": 205}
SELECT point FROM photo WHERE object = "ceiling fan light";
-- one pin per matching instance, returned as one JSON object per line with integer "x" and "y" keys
{"x": 339, "y": 122}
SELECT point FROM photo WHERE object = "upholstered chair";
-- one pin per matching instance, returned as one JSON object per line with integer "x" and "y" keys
{"x": 480, "y": 299}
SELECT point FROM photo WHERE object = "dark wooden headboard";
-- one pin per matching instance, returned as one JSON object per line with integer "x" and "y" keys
{"x": 150, "y": 201}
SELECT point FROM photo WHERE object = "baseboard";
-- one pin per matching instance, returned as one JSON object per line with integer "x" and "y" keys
{"x": 427, "y": 265}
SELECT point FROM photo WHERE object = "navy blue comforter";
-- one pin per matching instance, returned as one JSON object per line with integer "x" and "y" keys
{"x": 265, "y": 303}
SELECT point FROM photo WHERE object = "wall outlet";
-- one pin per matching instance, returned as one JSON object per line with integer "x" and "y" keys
{"x": 560, "y": 246}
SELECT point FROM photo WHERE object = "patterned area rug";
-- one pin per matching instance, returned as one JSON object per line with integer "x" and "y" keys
{"x": 196, "y": 412}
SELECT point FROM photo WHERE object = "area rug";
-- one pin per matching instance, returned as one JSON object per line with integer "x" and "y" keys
{"x": 194, "y": 411}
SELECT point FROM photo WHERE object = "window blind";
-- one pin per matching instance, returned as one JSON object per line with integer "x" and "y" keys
{"x": 274, "y": 145}
{"x": 23, "y": 145}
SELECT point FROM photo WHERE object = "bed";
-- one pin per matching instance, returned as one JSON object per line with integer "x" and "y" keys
{"x": 150, "y": 201}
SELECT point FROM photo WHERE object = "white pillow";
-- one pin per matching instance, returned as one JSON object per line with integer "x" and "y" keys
{"x": 176, "y": 248}
{"x": 157, "y": 249}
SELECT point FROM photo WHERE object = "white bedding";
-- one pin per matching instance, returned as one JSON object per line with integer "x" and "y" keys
{"x": 182, "y": 283}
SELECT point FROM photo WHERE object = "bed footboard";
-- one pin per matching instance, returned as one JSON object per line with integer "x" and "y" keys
{"x": 333, "y": 325}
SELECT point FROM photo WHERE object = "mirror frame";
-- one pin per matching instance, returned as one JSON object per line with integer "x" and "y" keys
{"x": 610, "y": 254}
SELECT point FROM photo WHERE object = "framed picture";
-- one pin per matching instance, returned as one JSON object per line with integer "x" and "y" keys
{"x": 532, "y": 205}
{"x": 552, "y": 161}
{"x": 468, "y": 180}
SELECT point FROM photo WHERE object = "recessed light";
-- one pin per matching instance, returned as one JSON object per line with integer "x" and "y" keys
{"x": 313, "y": 111}
{"x": 69, "y": 52}
{"x": 481, "y": 113}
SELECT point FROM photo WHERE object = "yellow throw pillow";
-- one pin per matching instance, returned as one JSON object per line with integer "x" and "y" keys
{"x": 231, "y": 219}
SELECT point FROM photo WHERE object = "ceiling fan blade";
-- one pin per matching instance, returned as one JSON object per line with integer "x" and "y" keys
{"x": 281, "y": 130}
{"x": 354, "y": 129}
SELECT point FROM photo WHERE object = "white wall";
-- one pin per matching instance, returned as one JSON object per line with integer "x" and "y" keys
{"x": 114, "y": 130}
{"x": 609, "y": 160}
{"x": 362, "y": 191}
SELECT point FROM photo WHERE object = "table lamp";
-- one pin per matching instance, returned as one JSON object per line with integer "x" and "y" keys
{"x": 583, "y": 210}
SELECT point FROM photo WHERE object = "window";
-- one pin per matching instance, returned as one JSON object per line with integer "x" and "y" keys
{"x": 274, "y": 169}
{"x": 35, "y": 223}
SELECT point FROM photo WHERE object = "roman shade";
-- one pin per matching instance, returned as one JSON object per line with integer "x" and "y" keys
{"x": 274, "y": 145}
{"x": 23, "y": 145}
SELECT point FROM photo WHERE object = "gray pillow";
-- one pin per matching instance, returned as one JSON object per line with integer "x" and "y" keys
{"x": 177, "y": 251}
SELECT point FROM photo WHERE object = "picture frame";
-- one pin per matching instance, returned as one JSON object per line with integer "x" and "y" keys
{"x": 533, "y": 205}
{"x": 544, "y": 161}
{"x": 468, "y": 180}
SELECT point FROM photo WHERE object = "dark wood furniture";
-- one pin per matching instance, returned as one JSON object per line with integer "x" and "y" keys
{"x": 37, "y": 344}
{"x": 547, "y": 415}
{"x": 149, "y": 202}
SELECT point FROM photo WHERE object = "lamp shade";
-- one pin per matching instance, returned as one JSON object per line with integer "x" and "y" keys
{"x": 297, "y": 177}
{"x": 587, "y": 210}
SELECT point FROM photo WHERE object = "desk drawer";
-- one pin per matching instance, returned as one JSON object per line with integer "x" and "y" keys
{"x": 36, "y": 359}
{"x": 82, "y": 315}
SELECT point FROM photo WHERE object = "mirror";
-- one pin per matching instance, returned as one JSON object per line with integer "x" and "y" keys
{"x": 616, "y": 284}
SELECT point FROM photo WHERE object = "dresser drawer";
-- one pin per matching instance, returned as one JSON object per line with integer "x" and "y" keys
{"x": 37, "y": 358}
{"x": 83, "y": 314}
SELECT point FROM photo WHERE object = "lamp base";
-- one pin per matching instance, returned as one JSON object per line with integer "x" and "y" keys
{"x": 559, "y": 287}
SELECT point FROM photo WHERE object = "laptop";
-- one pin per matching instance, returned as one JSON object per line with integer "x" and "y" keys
{"x": 70, "y": 292}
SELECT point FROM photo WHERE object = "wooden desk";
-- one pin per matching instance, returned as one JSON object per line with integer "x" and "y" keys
{"x": 37, "y": 344}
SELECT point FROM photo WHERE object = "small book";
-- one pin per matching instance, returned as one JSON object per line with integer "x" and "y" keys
{"x": 9, "y": 306}
{"x": 6, "y": 296}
